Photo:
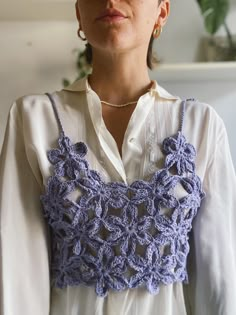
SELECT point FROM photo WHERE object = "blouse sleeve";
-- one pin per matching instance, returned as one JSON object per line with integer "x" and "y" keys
{"x": 212, "y": 260}
{"x": 24, "y": 272}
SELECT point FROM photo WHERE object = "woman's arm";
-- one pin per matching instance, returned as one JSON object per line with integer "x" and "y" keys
{"x": 24, "y": 272}
{"x": 212, "y": 260}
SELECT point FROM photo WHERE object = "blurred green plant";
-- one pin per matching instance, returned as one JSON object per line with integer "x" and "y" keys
{"x": 214, "y": 13}
{"x": 83, "y": 68}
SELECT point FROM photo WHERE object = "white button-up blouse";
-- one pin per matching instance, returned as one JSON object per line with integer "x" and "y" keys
{"x": 32, "y": 130}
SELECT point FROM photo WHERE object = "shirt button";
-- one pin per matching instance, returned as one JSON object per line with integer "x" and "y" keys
{"x": 131, "y": 140}
{"x": 152, "y": 157}
{"x": 102, "y": 162}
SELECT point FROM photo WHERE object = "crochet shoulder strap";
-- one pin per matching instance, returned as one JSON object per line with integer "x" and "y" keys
{"x": 56, "y": 113}
{"x": 184, "y": 102}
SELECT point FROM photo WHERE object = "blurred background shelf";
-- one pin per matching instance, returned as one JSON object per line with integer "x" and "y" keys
{"x": 197, "y": 71}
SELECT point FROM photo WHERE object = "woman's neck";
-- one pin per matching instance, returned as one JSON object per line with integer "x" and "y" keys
{"x": 119, "y": 79}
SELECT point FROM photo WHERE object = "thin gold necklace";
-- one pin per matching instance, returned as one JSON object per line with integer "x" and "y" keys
{"x": 121, "y": 105}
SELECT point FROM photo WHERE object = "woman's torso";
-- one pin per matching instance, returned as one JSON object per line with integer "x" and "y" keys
{"x": 156, "y": 117}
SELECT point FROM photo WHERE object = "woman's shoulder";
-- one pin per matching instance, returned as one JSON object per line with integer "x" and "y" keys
{"x": 29, "y": 108}
{"x": 197, "y": 113}
{"x": 192, "y": 104}
{"x": 41, "y": 99}
{"x": 203, "y": 126}
{"x": 38, "y": 104}
{"x": 202, "y": 112}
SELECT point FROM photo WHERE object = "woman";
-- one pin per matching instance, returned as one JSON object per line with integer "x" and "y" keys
{"x": 100, "y": 184}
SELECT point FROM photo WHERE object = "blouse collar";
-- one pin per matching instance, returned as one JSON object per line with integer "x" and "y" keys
{"x": 83, "y": 85}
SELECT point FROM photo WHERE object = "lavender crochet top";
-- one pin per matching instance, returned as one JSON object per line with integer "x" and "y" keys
{"x": 117, "y": 236}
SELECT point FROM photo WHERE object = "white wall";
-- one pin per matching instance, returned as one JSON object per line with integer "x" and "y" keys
{"x": 36, "y": 10}
{"x": 36, "y": 55}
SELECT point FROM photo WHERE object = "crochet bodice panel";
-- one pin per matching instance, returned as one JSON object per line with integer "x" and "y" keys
{"x": 115, "y": 235}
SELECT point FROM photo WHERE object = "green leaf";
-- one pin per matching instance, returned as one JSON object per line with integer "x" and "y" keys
{"x": 214, "y": 13}
{"x": 65, "y": 82}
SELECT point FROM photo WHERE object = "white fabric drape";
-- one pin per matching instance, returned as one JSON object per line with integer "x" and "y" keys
{"x": 32, "y": 130}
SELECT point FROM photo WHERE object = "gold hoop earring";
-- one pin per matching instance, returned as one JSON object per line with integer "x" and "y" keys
{"x": 83, "y": 38}
{"x": 157, "y": 32}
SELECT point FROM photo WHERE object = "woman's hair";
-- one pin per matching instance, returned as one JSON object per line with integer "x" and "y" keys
{"x": 151, "y": 58}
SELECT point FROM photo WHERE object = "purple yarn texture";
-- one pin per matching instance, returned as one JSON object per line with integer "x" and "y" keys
{"x": 118, "y": 236}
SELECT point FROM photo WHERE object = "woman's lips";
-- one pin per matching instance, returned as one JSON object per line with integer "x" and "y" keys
{"x": 111, "y": 15}
{"x": 112, "y": 18}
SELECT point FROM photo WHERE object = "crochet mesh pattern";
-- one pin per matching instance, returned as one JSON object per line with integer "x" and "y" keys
{"x": 119, "y": 236}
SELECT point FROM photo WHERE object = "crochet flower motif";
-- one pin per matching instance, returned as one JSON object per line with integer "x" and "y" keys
{"x": 68, "y": 158}
{"x": 64, "y": 268}
{"x": 156, "y": 193}
{"x": 179, "y": 153}
{"x": 174, "y": 237}
{"x": 55, "y": 200}
{"x": 108, "y": 271}
{"x": 128, "y": 230}
{"x": 152, "y": 270}
{"x": 100, "y": 195}
{"x": 193, "y": 187}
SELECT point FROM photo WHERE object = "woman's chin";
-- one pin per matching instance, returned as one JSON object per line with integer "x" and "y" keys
{"x": 113, "y": 43}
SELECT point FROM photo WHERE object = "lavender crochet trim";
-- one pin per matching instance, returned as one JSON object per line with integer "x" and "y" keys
{"x": 118, "y": 236}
